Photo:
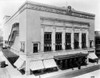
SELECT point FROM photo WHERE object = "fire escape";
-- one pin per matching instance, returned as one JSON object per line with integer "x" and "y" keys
{"x": 14, "y": 32}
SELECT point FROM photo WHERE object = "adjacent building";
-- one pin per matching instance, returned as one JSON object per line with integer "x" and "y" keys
{"x": 97, "y": 43}
{"x": 49, "y": 38}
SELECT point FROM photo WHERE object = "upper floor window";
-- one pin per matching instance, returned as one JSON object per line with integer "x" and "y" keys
{"x": 91, "y": 43}
{"x": 47, "y": 41}
{"x": 58, "y": 41}
{"x": 68, "y": 41}
{"x": 83, "y": 40}
{"x": 35, "y": 47}
{"x": 22, "y": 46}
{"x": 76, "y": 40}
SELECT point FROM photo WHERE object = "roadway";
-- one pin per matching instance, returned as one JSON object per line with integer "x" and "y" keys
{"x": 9, "y": 71}
{"x": 94, "y": 74}
{"x": 77, "y": 72}
{"x": 3, "y": 71}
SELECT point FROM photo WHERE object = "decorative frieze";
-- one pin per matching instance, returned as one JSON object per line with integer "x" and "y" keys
{"x": 62, "y": 23}
{"x": 58, "y": 10}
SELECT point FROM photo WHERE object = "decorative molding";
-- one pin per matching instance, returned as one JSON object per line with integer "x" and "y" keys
{"x": 63, "y": 11}
{"x": 63, "y": 23}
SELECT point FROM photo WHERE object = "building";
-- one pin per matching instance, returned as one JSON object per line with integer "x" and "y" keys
{"x": 97, "y": 43}
{"x": 49, "y": 38}
{"x": 1, "y": 37}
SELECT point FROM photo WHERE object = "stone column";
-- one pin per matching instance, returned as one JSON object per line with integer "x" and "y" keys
{"x": 72, "y": 39}
{"x": 63, "y": 39}
{"x": 42, "y": 39}
{"x": 53, "y": 39}
{"x": 27, "y": 69}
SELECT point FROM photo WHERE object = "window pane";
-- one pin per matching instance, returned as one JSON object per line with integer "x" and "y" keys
{"x": 58, "y": 41}
{"x": 22, "y": 46}
{"x": 76, "y": 40}
{"x": 47, "y": 41}
{"x": 68, "y": 41}
{"x": 35, "y": 47}
{"x": 83, "y": 40}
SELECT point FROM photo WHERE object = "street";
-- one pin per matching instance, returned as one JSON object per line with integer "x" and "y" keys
{"x": 94, "y": 74}
{"x": 9, "y": 71}
{"x": 3, "y": 71}
{"x": 77, "y": 72}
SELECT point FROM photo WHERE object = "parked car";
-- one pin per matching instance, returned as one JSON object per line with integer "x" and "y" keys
{"x": 3, "y": 64}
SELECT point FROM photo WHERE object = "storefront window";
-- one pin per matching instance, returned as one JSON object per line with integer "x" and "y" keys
{"x": 47, "y": 41}
{"x": 68, "y": 41}
{"x": 76, "y": 40}
{"x": 83, "y": 40}
{"x": 58, "y": 41}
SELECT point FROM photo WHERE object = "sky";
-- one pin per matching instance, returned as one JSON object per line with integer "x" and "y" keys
{"x": 9, "y": 7}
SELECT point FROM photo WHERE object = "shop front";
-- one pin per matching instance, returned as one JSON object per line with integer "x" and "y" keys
{"x": 71, "y": 61}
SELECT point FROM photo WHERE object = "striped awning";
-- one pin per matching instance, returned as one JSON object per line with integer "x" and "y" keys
{"x": 92, "y": 56}
{"x": 49, "y": 63}
{"x": 36, "y": 65}
{"x": 20, "y": 63}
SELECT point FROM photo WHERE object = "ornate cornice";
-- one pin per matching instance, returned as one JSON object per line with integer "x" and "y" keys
{"x": 48, "y": 8}
{"x": 58, "y": 10}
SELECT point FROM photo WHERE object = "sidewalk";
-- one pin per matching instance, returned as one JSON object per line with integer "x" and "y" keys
{"x": 14, "y": 73}
{"x": 94, "y": 74}
{"x": 68, "y": 71}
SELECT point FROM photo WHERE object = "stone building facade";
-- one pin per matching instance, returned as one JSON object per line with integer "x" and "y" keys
{"x": 46, "y": 36}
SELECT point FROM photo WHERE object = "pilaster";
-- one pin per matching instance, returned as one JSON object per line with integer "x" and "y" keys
{"x": 53, "y": 39}
{"x": 63, "y": 39}
{"x": 42, "y": 39}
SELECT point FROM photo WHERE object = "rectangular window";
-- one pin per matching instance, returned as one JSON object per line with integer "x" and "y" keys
{"x": 91, "y": 43}
{"x": 83, "y": 40}
{"x": 58, "y": 41}
{"x": 35, "y": 47}
{"x": 47, "y": 41}
{"x": 76, "y": 40}
{"x": 68, "y": 41}
{"x": 22, "y": 46}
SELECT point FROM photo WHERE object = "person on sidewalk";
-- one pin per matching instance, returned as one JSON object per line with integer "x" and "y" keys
{"x": 78, "y": 63}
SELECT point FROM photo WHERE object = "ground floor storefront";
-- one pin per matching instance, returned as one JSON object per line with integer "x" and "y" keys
{"x": 44, "y": 66}
{"x": 71, "y": 61}
{"x": 62, "y": 62}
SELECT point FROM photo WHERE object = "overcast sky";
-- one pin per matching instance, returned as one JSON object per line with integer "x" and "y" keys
{"x": 9, "y": 7}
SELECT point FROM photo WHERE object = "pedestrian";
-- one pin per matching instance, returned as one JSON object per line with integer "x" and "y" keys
{"x": 71, "y": 64}
{"x": 78, "y": 62}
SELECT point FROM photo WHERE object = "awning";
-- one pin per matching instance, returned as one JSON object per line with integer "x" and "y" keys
{"x": 49, "y": 63}
{"x": 92, "y": 56}
{"x": 20, "y": 63}
{"x": 60, "y": 57}
{"x": 36, "y": 65}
